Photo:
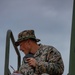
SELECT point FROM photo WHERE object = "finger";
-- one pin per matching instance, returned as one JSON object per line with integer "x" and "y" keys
{"x": 31, "y": 64}
{"x": 16, "y": 72}
{"x": 29, "y": 59}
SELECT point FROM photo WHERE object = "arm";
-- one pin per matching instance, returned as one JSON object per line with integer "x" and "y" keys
{"x": 53, "y": 65}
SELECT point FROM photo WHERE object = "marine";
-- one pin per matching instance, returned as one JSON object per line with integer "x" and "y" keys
{"x": 39, "y": 59}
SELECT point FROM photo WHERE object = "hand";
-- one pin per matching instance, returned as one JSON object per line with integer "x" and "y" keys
{"x": 16, "y": 71}
{"x": 32, "y": 62}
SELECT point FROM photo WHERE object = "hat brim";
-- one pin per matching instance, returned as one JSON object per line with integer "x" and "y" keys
{"x": 18, "y": 42}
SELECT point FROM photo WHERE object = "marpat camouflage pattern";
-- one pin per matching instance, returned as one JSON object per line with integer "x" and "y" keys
{"x": 49, "y": 62}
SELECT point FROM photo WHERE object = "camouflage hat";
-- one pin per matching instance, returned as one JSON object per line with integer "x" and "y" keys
{"x": 26, "y": 34}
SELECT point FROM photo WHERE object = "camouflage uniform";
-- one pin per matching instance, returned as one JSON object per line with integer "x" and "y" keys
{"x": 49, "y": 62}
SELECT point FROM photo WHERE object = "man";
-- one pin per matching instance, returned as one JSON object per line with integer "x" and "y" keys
{"x": 39, "y": 59}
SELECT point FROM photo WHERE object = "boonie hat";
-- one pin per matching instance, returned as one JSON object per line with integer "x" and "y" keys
{"x": 26, "y": 34}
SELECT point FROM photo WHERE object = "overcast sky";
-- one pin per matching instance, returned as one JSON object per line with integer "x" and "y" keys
{"x": 51, "y": 20}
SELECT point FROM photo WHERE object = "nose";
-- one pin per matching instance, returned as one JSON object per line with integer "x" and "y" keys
{"x": 20, "y": 48}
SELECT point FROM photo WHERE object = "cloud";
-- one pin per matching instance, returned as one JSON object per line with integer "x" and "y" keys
{"x": 50, "y": 19}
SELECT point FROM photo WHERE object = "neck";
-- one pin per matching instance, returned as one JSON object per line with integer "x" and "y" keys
{"x": 34, "y": 48}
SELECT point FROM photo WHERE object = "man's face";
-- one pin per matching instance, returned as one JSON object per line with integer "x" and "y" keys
{"x": 24, "y": 46}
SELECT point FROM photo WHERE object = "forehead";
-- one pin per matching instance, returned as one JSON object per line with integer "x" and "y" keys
{"x": 22, "y": 42}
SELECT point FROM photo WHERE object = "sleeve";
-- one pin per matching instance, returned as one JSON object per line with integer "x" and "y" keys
{"x": 53, "y": 64}
{"x": 25, "y": 69}
{"x": 23, "y": 66}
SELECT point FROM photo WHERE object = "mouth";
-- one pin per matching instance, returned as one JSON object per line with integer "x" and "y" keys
{"x": 22, "y": 50}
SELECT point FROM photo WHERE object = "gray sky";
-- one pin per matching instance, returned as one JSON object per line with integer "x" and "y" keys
{"x": 51, "y": 20}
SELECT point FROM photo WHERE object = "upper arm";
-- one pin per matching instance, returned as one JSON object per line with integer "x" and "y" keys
{"x": 55, "y": 62}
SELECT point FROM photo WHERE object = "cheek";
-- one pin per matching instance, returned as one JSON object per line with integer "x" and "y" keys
{"x": 21, "y": 48}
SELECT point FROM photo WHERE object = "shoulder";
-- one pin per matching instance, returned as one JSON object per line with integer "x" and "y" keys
{"x": 50, "y": 49}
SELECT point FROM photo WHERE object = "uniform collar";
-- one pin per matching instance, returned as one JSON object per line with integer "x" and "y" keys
{"x": 39, "y": 51}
